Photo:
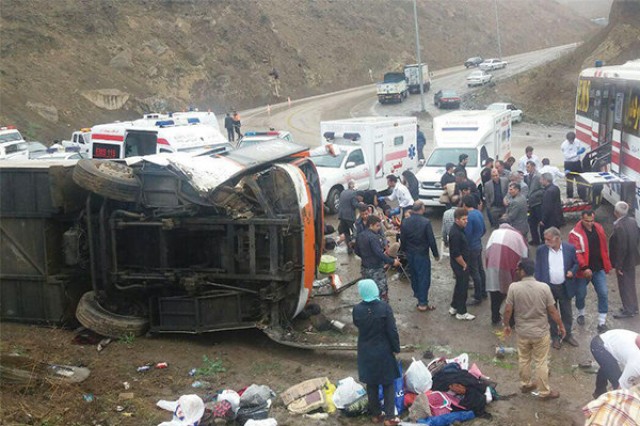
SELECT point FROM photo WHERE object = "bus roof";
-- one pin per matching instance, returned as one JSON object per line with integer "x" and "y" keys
{"x": 628, "y": 71}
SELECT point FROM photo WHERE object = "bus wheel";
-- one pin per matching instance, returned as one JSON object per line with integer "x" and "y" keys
{"x": 96, "y": 318}
{"x": 107, "y": 178}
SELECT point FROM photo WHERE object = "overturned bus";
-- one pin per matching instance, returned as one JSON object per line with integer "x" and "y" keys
{"x": 165, "y": 243}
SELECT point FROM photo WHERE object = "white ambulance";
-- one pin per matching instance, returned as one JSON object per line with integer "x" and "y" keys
{"x": 479, "y": 134}
{"x": 367, "y": 150}
{"x": 153, "y": 136}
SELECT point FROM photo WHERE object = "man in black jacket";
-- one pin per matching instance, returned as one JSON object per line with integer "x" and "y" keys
{"x": 228, "y": 124}
{"x": 369, "y": 246}
{"x": 347, "y": 213}
{"x": 534, "y": 201}
{"x": 458, "y": 257}
{"x": 463, "y": 159}
{"x": 417, "y": 239}
{"x": 551, "y": 204}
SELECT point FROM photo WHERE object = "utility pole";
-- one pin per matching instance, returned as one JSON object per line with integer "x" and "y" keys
{"x": 495, "y": 3}
{"x": 420, "y": 76}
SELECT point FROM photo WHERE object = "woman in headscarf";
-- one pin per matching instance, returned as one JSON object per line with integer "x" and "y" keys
{"x": 378, "y": 342}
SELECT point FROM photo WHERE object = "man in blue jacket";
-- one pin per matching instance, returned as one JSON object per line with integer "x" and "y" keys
{"x": 556, "y": 265}
{"x": 474, "y": 231}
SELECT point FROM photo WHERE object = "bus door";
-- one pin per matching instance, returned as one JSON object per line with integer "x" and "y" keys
{"x": 139, "y": 143}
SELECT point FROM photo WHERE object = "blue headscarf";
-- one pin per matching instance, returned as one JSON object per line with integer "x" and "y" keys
{"x": 368, "y": 290}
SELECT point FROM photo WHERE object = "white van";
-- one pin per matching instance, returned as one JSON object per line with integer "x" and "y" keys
{"x": 479, "y": 134}
{"x": 148, "y": 136}
{"x": 370, "y": 148}
{"x": 12, "y": 144}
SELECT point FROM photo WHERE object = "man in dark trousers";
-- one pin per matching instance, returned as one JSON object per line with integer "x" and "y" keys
{"x": 458, "y": 257}
{"x": 556, "y": 265}
{"x": 623, "y": 250}
{"x": 369, "y": 246}
{"x": 228, "y": 124}
{"x": 494, "y": 192}
{"x": 347, "y": 213}
{"x": 551, "y": 204}
{"x": 534, "y": 201}
{"x": 421, "y": 141}
{"x": 474, "y": 231}
{"x": 417, "y": 239}
{"x": 463, "y": 159}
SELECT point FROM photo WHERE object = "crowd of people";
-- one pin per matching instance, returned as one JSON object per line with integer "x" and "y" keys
{"x": 538, "y": 289}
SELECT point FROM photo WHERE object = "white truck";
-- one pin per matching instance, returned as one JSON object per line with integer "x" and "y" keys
{"x": 12, "y": 144}
{"x": 414, "y": 79}
{"x": 393, "y": 88}
{"x": 479, "y": 134}
{"x": 368, "y": 149}
{"x": 80, "y": 141}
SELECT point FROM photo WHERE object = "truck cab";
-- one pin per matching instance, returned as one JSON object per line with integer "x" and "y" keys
{"x": 12, "y": 144}
{"x": 393, "y": 89}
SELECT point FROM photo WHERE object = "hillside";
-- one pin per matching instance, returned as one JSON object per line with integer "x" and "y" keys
{"x": 548, "y": 95}
{"x": 73, "y": 63}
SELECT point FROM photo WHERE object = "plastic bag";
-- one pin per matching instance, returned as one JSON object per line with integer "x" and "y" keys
{"x": 264, "y": 422}
{"x": 462, "y": 360}
{"x": 256, "y": 396}
{"x": 347, "y": 392}
{"x": 399, "y": 392}
{"x": 233, "y": 398}
{"x": 418, "y": 377}
{"x": 187, "y": 410}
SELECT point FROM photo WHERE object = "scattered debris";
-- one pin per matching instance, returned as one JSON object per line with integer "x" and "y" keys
{"x": 88, "y": 397}
{"x": 103, "y": 344}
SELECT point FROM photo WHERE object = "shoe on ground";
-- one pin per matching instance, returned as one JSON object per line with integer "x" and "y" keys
{"x": 572, "y": 341}
{"x": 551, "y": 395}
{"x": 556, "y": 344}
{"x": 465, "y": 317}
{"x": 528, "y": 388}
{"x": 453, "y": 311}
{"x": 623, "y": 314}
{"x": 602, "y": 328}
{"x": 580, "y": 319}
{"x": 473, "y": 302}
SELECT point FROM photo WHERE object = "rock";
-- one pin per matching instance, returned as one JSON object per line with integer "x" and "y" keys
{"x": 152, "y": 71}
{"x": 110, "y": 99}
{"x": 122, "y": 60}
{"x": 156, "y": 46}
{"x": 48, "y": 112}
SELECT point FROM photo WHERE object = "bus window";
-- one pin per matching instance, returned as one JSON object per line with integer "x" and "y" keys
{"x": 138, "y": 143}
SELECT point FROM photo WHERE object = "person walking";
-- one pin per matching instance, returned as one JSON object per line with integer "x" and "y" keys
{"x": 378, "y": 342}
{"x": 571, "y": 153}
{"x": 516, "y": 214}
{"x": 237, "y": 124}
{"x": 421, "y": 142}
{"x": 494, "y": 192}
{"x": 623, "y": 250}
{"x": 534, "y": 201}
{"x": 617, "y": 352}
{"x": 417, "y": 239}
{"x": 458, "y": 258}
{"x": 474, "y": 231}
{"x": 589, "y": 239}
{"x": 532, "y": 303}
{"x": 505, "y": 248}
{"x": 556, "y": 265}
{"x": 551, "y": 212}
{"x": 348, "y": 203}
{"x": 370, "y": 248}
{"x": 228, "y": 124}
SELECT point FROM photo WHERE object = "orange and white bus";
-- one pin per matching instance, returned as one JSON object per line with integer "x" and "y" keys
{"x": 608, "y": 124}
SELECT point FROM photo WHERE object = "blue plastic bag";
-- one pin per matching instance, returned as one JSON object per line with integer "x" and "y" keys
{"x": 399, "y": 391}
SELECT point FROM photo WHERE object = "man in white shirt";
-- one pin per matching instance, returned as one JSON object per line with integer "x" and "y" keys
{"x": 400, "y": 193}
{"x": 571, "y": 152}
{"x": 528, "y": 156}
{"x": 618, "y": 355}
{"x": 553, "y": 170}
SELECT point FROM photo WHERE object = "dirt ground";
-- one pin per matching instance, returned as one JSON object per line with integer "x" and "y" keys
{"x": 250, "y": 357}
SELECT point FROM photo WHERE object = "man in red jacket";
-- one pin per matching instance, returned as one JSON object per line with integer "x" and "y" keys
{"x": 593, "y": 259}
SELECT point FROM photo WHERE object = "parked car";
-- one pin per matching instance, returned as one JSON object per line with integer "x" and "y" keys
{"x": 478, "y": 78}
{"x": 253, "y": 138}
{"x": 493, "y": 64}
{"x": 446, "y": 98}
{"x": 36, "y": 149}
{"x": 516, "y": 114}
{"x": 473, "y": 62}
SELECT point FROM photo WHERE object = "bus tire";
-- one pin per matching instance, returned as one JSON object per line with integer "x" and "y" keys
{"x": 107, "y": 178}
{"x": 96, "y": 318}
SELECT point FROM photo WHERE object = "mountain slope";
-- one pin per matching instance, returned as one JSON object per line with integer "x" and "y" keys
{"x": 73, "y": 63}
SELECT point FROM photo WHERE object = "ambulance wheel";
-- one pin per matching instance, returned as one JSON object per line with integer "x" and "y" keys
{"x": 96, "y": 318}
{"x": 333, "y": 201}
{"x": 107, "y": 178}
